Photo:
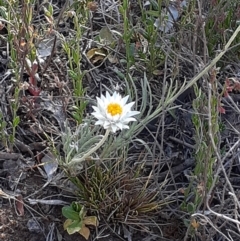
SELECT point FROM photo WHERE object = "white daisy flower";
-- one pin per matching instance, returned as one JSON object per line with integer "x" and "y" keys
{"x": 113, "y": 113}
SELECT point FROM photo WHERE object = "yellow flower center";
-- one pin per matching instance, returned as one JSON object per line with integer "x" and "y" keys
{"x": 114, "y": 109}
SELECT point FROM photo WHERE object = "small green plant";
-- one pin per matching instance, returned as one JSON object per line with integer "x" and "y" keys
{"x": 201, "y": 179}
{"x": 127, "y": 35}
{"x": 77, "y": 221}
{"x": 20, "y": 37}
{"x": 151, "y": 52}
{"x": 72, "y": 47}
{"x": 221, "y": 21}
{"x": 142, "y": 43}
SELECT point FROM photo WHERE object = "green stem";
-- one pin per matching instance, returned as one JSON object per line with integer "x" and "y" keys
{"x": 86, "y": 155}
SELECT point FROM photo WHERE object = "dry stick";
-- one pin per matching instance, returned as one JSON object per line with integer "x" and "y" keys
{"x": 236, "y": 208}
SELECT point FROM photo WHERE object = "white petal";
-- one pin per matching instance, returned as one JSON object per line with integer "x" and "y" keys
{"x": 98, "y": 116}
{"x": 124, "y": 100}
{"x": 122, "y": 126}
{"x": 128, "y": 120}
{"x": 97, "y": 110}
{"x": 102, "y": 101}
{"x": 114, "y": 128}
{"x": 106, "y": 125}
{"x": 99, "y": 100}
{"x": 109, "y": 116}
{"x": 114, "y": 96}
{"x": 108, "y": 97}
{"x": 99, "y": 122}
{"x": 129, "y": 106}
{"x": 116, "y": 117}
{"x": 134, "y": 112}
{"x": 125, "y": 127}
{"x": 101, "y": 105}
{"x": 119, "y": 125}
{"x": 129, "y": 114}
{"x": 118, "y": 98}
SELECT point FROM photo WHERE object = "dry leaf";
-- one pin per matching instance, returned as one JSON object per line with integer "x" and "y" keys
{"x": 200, "y": 188}
{"x": 19, "y": 205}
{"x": 182, "y": 190}
{"x": 85, "y": 232}
{"x": 92, "y": 6}
{"x": 97, "y": 58}
{"x": 96, "y": 54}
{"x": 112, "y": 59}
{"x": 91, "y": 220}
{"x": 67, "y": 223}
{"x": 195, "y": 224}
